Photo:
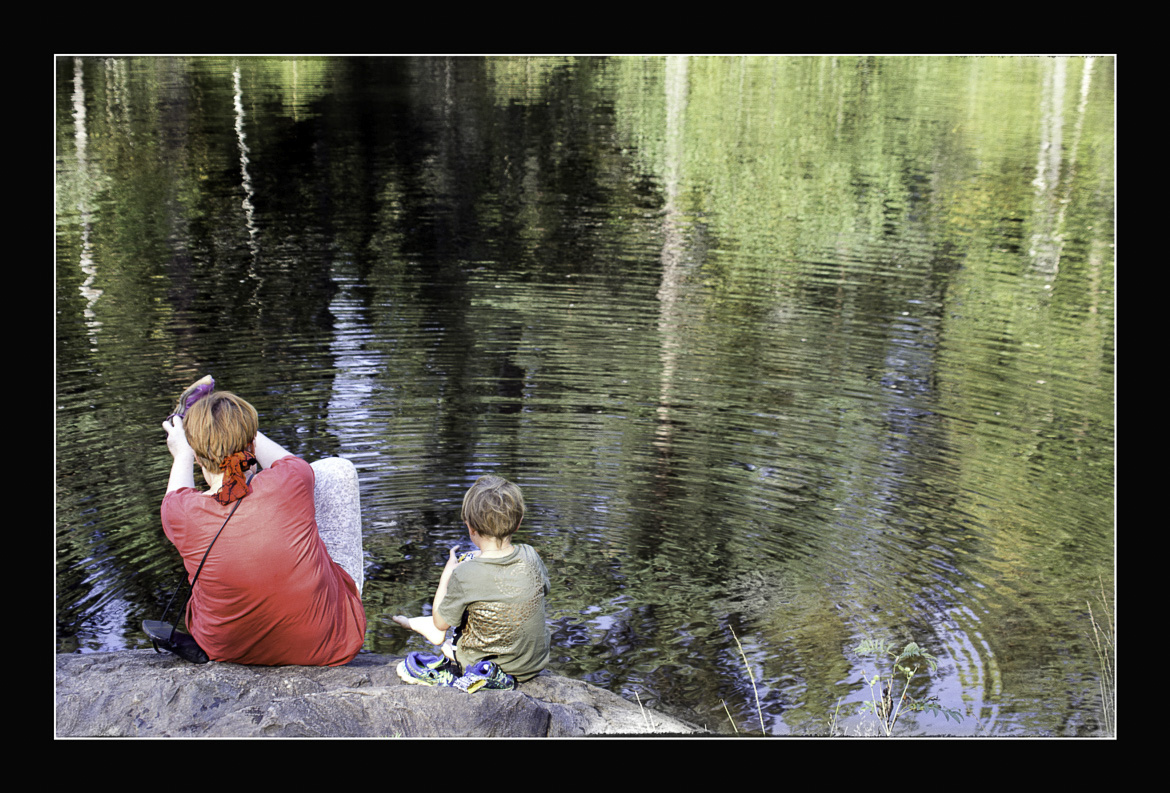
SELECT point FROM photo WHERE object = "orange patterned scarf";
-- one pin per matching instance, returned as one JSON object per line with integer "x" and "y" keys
{"x": 235, "y": 471}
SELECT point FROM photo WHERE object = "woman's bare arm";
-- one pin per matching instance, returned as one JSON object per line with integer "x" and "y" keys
{"x": 268, "y": 451}
{"x": 183, "y": 462}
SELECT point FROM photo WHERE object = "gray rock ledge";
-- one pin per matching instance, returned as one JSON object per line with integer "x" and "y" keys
{"x": 140, "y": 693}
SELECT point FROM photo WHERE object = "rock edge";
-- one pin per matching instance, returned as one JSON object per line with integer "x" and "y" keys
{"x": 140, "y": 693}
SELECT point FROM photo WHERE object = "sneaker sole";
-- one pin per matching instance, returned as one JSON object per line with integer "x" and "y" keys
{"x": 406, "y": 677}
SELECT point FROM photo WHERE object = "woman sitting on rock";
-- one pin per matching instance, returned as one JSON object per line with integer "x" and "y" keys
{"x": 270, "y": 592}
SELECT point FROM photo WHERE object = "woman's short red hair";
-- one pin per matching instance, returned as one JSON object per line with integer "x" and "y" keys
{"x": 218, "y": 425}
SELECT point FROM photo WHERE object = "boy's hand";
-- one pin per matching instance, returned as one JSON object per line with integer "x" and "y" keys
{"x": 460, "y": 558}
{"x": 454, "y": 559}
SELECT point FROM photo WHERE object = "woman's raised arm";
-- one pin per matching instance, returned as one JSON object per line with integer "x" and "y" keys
{"x": 268, "y": 451}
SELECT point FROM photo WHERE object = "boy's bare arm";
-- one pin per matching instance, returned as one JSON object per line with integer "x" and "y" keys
{"x": 433, "y": 628}
{"x": 441, "y": 590}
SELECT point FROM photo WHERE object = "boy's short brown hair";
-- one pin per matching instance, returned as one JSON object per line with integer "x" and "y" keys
{"x": 219, "y": 424}
{"x": 493, "y": 506}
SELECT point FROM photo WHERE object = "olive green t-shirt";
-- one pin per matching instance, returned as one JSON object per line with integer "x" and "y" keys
{"x": 503, "y": 599}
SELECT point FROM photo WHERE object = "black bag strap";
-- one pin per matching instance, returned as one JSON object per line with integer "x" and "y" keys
{"x": 203, "y": 561}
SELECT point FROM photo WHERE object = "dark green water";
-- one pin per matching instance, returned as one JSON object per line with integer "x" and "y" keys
{"x": 800, "y": 351}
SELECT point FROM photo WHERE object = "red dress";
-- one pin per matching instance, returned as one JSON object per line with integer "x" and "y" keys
{"x": 269, "y": 593}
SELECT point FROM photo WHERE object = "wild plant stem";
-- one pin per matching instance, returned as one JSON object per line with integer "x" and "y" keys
{"x": 877, "y": 706}
{"x": 833, "y": 721}
{"x": 902, "y": 699}
{"x": 728, "y": 712}
{"x": 1104, "y": 639}
{"x": 751, "y": 677}
{"x": 644, "y": 718}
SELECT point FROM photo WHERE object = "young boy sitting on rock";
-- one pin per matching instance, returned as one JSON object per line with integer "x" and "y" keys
{"x": 493, "y": 597}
